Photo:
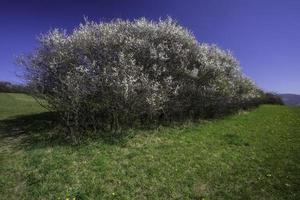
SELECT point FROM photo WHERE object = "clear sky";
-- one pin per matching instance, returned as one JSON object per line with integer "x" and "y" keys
{"x": 263, "y": 34}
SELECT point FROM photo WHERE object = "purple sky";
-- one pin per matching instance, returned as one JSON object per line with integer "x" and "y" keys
{"x": 263, "y": 34}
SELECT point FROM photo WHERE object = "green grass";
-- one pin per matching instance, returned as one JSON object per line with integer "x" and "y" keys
{"x": 251, "y": 155}
{"x": 12, "y": 105}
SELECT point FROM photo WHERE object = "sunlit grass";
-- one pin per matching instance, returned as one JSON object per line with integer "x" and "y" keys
{"x": 12, "y": 104}
{"x": 251, "y": 155}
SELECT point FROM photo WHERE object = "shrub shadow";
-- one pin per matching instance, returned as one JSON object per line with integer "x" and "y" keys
{"x": 31, "y": 130}
{"x": 44, "y": 130}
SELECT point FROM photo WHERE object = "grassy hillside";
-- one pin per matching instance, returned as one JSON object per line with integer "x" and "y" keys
{"x": 251, "y": 155}
{"x": 12, "y": 104}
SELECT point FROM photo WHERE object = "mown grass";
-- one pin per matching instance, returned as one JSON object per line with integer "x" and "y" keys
{"x": 250, "y": 155}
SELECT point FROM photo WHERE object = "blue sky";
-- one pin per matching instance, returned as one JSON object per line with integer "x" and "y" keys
{"x": 264, "y": 35}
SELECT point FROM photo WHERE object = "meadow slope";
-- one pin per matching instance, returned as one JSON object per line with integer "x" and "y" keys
{"x": 250, "y": 155}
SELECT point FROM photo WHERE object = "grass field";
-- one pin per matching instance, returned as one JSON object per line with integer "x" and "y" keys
{"x": 250, "y": 155}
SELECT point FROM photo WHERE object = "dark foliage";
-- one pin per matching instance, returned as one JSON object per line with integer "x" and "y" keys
{"x": 12, "y": 88}
{"x": 272, "y": 98}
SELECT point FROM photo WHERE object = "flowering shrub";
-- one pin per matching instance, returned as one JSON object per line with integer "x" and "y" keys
{"x": 119, "y": 73}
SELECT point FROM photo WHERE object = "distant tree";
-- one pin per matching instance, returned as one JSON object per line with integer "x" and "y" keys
{"x": 12, "y": 88}
{"x": 124, "y": 72}
{"x": 272, "y": 98}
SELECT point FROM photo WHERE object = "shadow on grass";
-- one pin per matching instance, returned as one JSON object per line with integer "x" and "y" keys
{"x": 31, "y": 129}
{"x": 43, "y": 130}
